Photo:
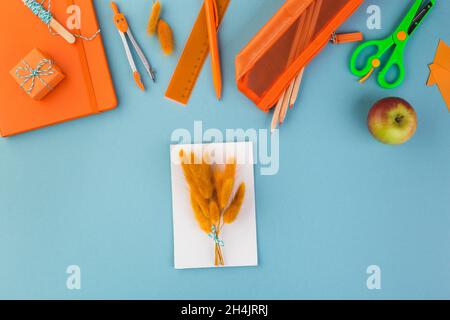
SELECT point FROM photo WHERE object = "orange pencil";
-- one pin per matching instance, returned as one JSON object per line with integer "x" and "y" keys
{"x": 212, "y": 22}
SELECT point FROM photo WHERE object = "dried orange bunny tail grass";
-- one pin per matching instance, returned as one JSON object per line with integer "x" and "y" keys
{"x": 185, "y": 165}
{"x": 218, "y": 179}
{"x": 225, "y": 192}
{"x": 232, "y": 212}
{"x": 228, "y": 183}
{"x": 214, "y": 213}
{"x": 154, "y": 18}
{"x": 189, "y": 174}
{"x": 218, "y": 257}
{"x": 200, "y": 175}
{"x": 204, "y": 180}
{"x": 203, "y": 221}
{"x": 203, "y": 203}
{"x": 211, "y": 191}
{"x": 165, "y": 36}
{"x": 205, "y": 187}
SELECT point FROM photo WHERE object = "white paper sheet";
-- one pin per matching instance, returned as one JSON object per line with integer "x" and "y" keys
{"x": 193, "y": 248}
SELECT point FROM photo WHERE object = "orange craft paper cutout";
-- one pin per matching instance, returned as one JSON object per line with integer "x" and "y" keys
{"x": 440, "y": 71}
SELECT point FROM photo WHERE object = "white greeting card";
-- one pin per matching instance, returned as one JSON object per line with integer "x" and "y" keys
{"x": 196, "y": 248}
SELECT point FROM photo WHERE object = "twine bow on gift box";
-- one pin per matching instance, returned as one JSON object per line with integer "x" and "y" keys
{"x": 29, "y": 75}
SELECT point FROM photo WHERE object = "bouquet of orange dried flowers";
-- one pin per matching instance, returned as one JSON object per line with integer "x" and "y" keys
{"x": 212, "y": 199}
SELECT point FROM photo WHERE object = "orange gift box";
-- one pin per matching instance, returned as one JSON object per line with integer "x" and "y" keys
{"x": 87, "y": 88}
{"x": 37, "y": 74}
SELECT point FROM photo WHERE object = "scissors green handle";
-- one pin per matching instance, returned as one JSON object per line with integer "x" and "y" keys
{"x": 397, "y": 41}
{"x": 374, "y": 62}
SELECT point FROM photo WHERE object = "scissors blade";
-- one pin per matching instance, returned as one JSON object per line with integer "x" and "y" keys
{"x": 421, "y": 14}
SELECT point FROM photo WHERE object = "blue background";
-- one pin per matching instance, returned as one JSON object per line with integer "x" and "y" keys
{"x": 96, "y": 192}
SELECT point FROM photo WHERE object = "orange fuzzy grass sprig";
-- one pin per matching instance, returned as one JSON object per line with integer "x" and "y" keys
{"x": 158, "y": 26}
{"x": 212, "y": 199}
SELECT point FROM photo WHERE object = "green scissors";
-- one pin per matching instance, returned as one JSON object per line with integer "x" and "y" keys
{"x": 398, "y": 40}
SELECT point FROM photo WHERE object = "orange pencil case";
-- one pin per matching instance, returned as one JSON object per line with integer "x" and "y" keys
{"x": 286, "y": 44}
{"x": 87, "y": 88}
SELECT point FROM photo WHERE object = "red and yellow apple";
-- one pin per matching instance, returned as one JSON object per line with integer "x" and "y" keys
{"x": 392, "y": 121}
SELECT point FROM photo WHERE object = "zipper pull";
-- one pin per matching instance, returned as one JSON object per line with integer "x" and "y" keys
{"x": 340, "y": 38}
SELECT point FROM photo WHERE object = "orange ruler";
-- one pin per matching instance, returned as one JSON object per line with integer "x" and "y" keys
{"x": 193, "y": 57}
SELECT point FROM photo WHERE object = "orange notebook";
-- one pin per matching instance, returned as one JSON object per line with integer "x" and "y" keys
{"x": 286, "y": 44}
{"x": 87, "y": 88}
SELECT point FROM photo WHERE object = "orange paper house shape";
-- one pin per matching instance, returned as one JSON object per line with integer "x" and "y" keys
{"x": 440, "y": 71}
